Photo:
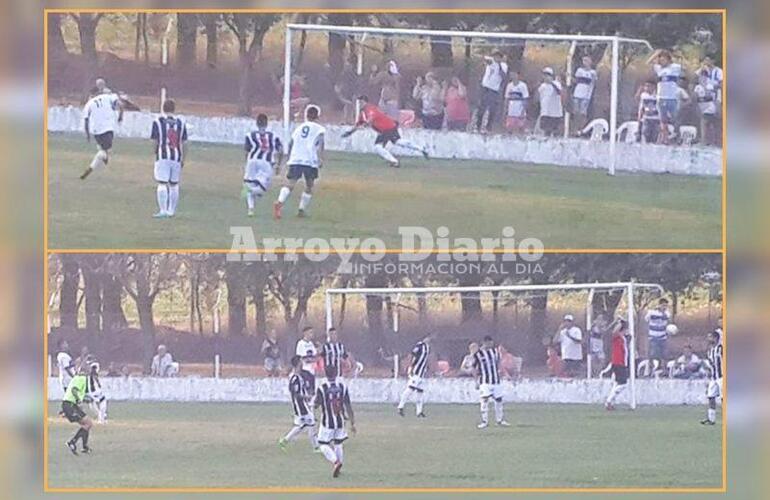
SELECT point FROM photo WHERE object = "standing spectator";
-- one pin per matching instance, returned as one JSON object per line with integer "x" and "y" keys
{"x": 431, "y": 96}
{"x": 163, "y": 364}
{"x": 81, "y": 363}
{"x": 715, "y": 75}
{"x": 668, "y": 90}
{"x": 458, "y": 112}
{"x": 649, "y": 117}
{"x": 551, "y": 107}
{"x": 491, "y": 89}
{"x": 596, "y": 342}
{"x": 657, "y": 320}
{"x": 389, "y": 83}
{"x": 306, "y": 350}
{"x": 570, "y": 337}
{"x": 516, "y": 99}
{"x": 65, "y": 365}
{"x": 585, "y": 81}
{"x": 271, "y": 352}
{"x": 706, "y": 96}
{"x": 467, "y": 366}
{"x": 685, "y": 113}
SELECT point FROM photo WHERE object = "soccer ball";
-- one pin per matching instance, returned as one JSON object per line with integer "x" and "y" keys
{"x": 672, "y": 329}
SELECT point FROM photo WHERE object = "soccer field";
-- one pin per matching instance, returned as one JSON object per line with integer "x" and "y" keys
{"x": 234, "y": 445}
{"x": 357, "y": 196}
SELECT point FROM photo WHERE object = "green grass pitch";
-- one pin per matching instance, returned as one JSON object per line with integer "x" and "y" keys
{"x": 358, "y": 196}
{"x": 234, "y": 445}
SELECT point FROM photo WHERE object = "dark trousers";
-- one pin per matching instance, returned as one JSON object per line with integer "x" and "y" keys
{"x": 490, "y": 100}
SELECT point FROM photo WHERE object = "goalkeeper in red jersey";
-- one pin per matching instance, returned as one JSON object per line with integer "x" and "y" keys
{"x": 387, "y": 131}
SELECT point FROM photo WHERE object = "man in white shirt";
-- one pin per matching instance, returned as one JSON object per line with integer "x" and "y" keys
{"x": 686, "y": 366}
{"x": 99, "y": 116}
{"x": 706, "y": 96}
{"x": 657, "y": 321}
{"x": 307, "y": 351}
{"x": 163, "y": 364}
{"x": 491, "y": 87}
{"x": 516, "y": 100}
{"x": 305, "y": 154}
{"x": 585, "y": 81}
{"x": 65, "y": 365}
{"x": 571, "y": 342}
{"x": 715, "y": 76}
{"x": 669, "y": 74}
{"x": 551, "y": 107}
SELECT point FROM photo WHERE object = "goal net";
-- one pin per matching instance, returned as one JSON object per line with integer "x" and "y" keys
{"x": 358, "y": 48}
{"x": 419, "y": 310}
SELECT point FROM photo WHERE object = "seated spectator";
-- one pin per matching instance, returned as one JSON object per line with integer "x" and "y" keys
{"x": 112, "y": 370}
{"x": 706, "y": 96}
{"x": 466, "y": 367}
{"x": 686, "y": 366}
{"x": 458, "y": 111}
{"x": 554, "y": 363}
{"x": 510, "y": 365}
{"x": 551, "y": 106}
{"x": 516, "y": 101}
{"x": 442, "y": 368}
{"x": 272, "y": 355}
{"x": 431, "y": 96}
{"x": 163, "y": 365}
{"x": 648, "y": 116}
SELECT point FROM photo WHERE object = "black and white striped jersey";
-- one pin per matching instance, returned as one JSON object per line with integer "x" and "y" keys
{"x": 715, "y": 361}
{"x": 486, "y": 361}
{"x": 298, "y": 388}
{"x": 262, "y": 145}
{"x": 420, "y": 353}
{"x": 92, "y": 383}
{"x": 332, "y": 397}
{"x": 333, "y": 354}
{"x": 170, "y": 133}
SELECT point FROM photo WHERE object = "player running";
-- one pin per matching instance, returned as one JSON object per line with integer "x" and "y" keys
{"x": 306, "y": 148}
{"x": 417, "y": 370}
{"x": 486, "y": 361}
{"x": 301, "y": 396}
{"x": 74, "y": 395}
{"x": 99, "y": 121}
{"x": 170, "y": 135}
{"x": 714, "y": 389}
{"x": 387, "y": 131}
{"x": 619, "y": 363}
{"x": 264, "y": 152}
{"x": 333, "y": 398}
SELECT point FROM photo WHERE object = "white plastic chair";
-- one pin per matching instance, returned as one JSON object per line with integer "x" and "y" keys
{"x": 631, "y": 129}
{"x": 597, "y": 127}
{"x": 688, "y": 134}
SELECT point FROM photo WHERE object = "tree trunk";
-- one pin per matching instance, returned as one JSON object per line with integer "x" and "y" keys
{"x": 337, "y": 42}
{"x": 374, "y": 313}
{"x": 55, "y": 38}
{"x": 87, "y": 30}
{"x": 145, "y": 40}
{"x": 147, "y": 324}
{"x": 113, "y": 317}
{"x": 260, "y": 312}
{"x": 186, "y": 39}
{"x": 93, "y": 297}
{"x": 138, "y": 37}
{"x": 211, "y": 23}
{"x": 236, "y": 300}
{"x": 68, "y": 294}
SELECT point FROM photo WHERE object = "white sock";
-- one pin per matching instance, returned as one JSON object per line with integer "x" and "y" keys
{"x": 339, "y": 453}
{"x": 99, "y": 160}
{"x": 498, "y": 411}
{"x": 384, "y": 153}
{"x": 292, "y": 433}
{"x": 328, "y": 453}
{"x": 408, "y": 145}
{"x": 712, "y": 415}
{"x": 312, "y": 436}
{"x": 304, "y": 200}
{"x": 404, "y": 398}
{"x": 616, "y": 389}
{"x": 162, "y": 193}
{"x": 250, "y": 198}
{"x": 283, "y": 195}
{"x": 420, "y": 401}
{"x": 173, "y": 198}
{"x": 103, "y": 411}
{"x": 485, "y": 410}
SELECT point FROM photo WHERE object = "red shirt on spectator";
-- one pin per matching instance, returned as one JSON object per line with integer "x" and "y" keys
{"x": 376, "y": 119}
{"x": 619, "y": 350}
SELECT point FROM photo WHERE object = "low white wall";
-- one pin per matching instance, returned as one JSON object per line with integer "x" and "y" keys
{"x": 371, "y": 390}
{"x": 691, "y": 160}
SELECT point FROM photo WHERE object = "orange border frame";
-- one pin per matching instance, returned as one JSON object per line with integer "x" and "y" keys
{"x": 47, "y": 252}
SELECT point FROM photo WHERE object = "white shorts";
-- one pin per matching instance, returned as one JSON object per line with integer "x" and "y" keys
{"x": 415, "y": 382}
{"x": 258, "y": 172}
{"x": 714, "y": 389}
{"x": 167, "y": 170}
{"x": 491, "y": 390}
{"x": 304, "y": 420}
{"x": 331, "y": 436}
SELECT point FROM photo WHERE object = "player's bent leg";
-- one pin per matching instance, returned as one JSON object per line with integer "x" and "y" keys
{"x": 162, "y": 194}
{"x": 386, "y": 155}
{"x": 499, "y": 413}
{"x": 283, "y": 195}
{"x": 419, "y": 403}
{"x": 307, "y": 195}
{"x": 484, "y": 406}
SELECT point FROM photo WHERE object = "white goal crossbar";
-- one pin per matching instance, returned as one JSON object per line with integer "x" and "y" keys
{"x": 628, "y": 287}
{"x": 362, "y": 31}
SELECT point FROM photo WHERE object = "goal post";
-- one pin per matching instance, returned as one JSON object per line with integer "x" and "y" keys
{"x": 358, "y": 33}
{"x": 628, "y": 288}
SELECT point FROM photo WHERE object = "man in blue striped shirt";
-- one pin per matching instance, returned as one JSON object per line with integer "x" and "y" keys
{"x": 657, "y": 320}
{"x": 170, "y": 135}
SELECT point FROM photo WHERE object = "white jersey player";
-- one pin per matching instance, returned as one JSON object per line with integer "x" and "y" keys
{"x": 305, "y": 158}
{"x": 263, "y": 152}
{"x": 65, "y": 365}
{"x": 99, "y": 115}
